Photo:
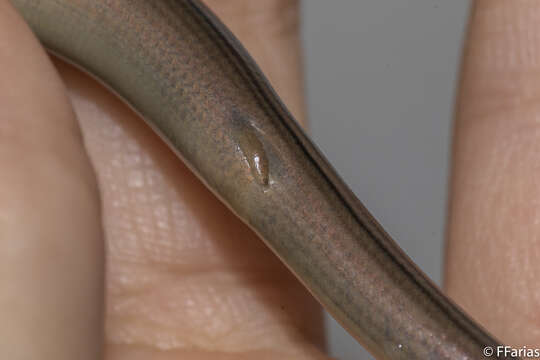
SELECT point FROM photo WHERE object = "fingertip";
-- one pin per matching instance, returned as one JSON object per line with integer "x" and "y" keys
{"x": 51, "y": 258}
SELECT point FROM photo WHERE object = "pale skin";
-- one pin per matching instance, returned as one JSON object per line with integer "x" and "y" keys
{"x": 186, "y": 279}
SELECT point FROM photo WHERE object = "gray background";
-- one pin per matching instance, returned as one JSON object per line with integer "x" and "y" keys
{"x": 381, "y": 78}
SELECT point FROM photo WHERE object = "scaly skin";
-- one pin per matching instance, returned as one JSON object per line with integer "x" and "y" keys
{"x": 178, "y": 66}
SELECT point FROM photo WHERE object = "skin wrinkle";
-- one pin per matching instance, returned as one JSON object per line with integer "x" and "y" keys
{"x": 507, "y": 46}
{"x": 143, "y": 353}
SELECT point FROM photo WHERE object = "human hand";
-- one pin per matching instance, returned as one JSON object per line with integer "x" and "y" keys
{"x": 184, "y": 277}
{"x": 493, "y": 230}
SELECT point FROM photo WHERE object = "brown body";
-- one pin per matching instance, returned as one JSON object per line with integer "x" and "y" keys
{"x": 174, "y": 63}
